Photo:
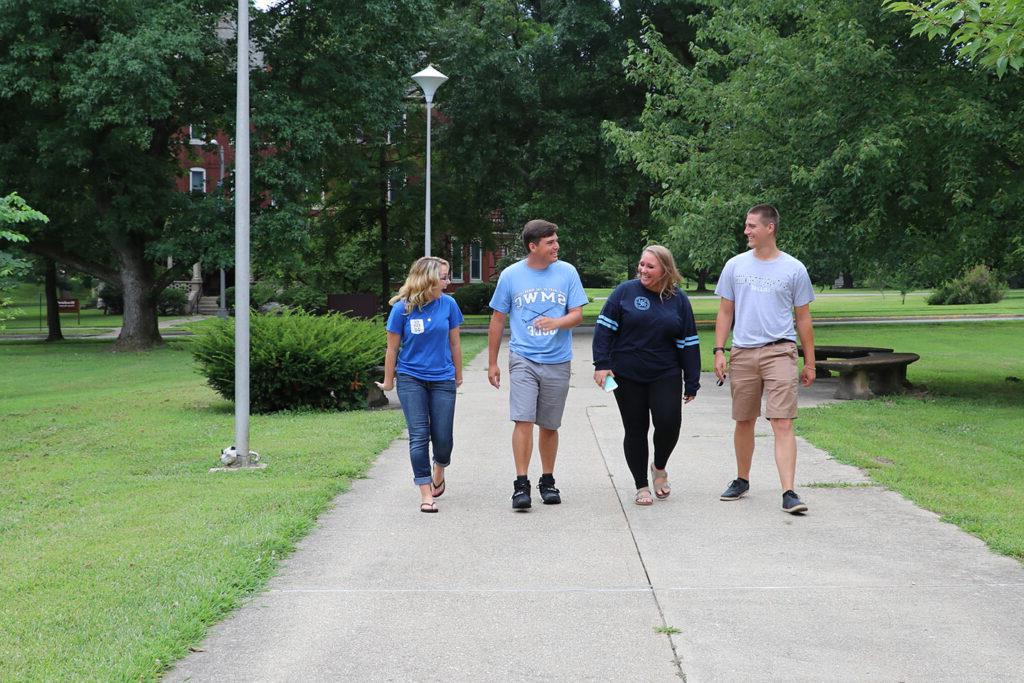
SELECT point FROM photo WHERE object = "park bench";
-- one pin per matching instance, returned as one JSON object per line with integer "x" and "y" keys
{"x": 869, "y": 376}
{"x": 823, "y": 353}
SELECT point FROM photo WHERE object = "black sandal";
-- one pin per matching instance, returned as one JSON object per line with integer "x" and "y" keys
{"x": 428, "y": 507}
{"x": 436, "y": 490}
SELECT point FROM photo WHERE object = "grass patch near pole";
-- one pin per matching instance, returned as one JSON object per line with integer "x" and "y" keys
{"x": 119, "y": 548}
{"x": 955, "y": 447}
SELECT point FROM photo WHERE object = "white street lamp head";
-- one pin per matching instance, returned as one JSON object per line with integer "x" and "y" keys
{"x": 430, "y": 79}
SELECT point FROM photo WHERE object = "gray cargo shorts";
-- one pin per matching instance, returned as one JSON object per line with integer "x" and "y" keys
{"x": 538, "y": 391}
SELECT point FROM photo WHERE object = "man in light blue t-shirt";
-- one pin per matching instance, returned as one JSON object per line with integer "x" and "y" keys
{"x": 543, "y": 300}
{"x": 761, "y": 290}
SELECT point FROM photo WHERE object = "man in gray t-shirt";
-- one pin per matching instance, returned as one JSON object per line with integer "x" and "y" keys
{"x": 760, "y": 292}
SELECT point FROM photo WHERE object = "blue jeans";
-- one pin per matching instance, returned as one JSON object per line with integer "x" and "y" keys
{"x": 429, "y": 409}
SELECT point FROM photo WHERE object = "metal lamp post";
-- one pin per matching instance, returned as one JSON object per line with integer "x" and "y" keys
{"x": 429, "y": 80}
{"x": 242, "y": 453}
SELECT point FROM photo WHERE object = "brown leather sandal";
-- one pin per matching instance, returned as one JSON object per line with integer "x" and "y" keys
{"x": 662, "y": 490}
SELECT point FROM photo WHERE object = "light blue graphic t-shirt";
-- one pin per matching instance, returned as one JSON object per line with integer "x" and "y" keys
{"x": 524, "y": 294}
{"x": 765, "y": 294}
{"x": 425, "y": 352}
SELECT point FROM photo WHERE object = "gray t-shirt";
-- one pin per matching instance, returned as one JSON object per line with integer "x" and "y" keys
{"x": 765, "y": 294}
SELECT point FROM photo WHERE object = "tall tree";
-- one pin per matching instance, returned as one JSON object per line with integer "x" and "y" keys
{"x": 990, "y": 34}
{"x": 332, "y": 106}
{"x": 884, "y": 153}
{"x": 532, "y": 83}
{"x": 53, "y": 329}
{"x": 95, "y": 96}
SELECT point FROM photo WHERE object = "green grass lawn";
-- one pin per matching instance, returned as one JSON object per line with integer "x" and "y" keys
{"x": 956, "y": 446}
{"x": 119, "y": 548}
{"x": 28, "y": 313}
{"x": 832, "y": 304}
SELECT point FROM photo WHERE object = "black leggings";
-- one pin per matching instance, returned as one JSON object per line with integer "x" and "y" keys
{"x": 639, "y": 402}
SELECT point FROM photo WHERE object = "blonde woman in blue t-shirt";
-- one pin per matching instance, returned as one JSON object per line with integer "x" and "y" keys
{"x": 424, "y": 356}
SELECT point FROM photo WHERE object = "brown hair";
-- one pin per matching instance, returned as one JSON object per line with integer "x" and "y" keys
{"x": 665, "y": 286}
{"x": 768, "y": 213}
{"x": 536, "y": 230}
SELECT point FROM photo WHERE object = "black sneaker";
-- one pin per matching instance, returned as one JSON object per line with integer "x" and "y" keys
{"x": 548, "y": 493}
{"x": 792, "y": 504}
{"x": 521, "y": 495}
{"x": 736, "y": 490}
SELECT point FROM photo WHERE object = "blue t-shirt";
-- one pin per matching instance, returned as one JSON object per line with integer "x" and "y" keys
{"x": 524, "y": 293}
{"x": 765, "y": 294}
{"x": 425, "y": 352}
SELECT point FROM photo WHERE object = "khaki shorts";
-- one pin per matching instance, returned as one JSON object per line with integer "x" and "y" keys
{"x": 765, "y": 371}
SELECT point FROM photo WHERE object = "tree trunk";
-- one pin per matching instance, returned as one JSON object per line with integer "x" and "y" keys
{"x": 702, "y": 280}
{"x": 847, "y": 280}
{"x": 139, "y": 330}
{"x": 52, "y": 311}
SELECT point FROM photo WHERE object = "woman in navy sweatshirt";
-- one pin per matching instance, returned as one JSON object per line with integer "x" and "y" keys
{"x": 646, "y": 338}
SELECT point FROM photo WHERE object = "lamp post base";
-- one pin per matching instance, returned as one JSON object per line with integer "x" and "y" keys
{"x": 240, "y": 468}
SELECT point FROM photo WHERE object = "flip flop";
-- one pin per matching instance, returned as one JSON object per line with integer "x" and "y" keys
{"x": 643, "y": 497}
{"x": 663, "y": 490}
{"x": 428, "y": 507}
{"x": 437, "y": 490}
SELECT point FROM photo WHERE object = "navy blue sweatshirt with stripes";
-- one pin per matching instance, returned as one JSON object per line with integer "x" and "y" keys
{"x": 644, "y": 338}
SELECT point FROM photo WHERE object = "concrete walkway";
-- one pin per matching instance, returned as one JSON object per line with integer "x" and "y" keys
{"x": 865, "y": 587}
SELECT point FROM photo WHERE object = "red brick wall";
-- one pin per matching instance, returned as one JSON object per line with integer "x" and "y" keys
{"x": 197, "y": 156}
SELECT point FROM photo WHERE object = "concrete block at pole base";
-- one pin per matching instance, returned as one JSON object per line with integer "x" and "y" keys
{"x": 229, "y": 457}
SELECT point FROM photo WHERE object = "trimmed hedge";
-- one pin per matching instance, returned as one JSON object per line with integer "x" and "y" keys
{"x": 296, "y": 360}
{"x": 173, "y": 301}
{"x": 979, "y": 285}
{"x": 474, "y": 298}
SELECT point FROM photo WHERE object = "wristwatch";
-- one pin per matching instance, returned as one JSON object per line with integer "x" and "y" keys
{"x": 717, "y": 349}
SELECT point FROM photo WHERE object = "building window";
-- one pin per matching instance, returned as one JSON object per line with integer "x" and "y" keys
{"x": 475, "y": 262}
{"x": 197, "y": 180}
{"x": 457, "y": 262}
{"x": 197, "y": 135}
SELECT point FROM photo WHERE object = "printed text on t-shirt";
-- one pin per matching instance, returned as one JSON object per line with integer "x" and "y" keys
{"x": 759, "y": 283}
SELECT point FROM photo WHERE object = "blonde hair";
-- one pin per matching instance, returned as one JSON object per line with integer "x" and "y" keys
{"x": 424, "y": 275}
{"x": 666, "y": 284}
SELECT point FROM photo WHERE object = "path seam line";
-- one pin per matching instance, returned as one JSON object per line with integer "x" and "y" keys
{"x": 650, "y": 586}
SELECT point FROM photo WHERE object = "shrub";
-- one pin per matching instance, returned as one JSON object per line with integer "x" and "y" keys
{"x": 266, "y": 291}
{"x": 173, "y": 301}
{"x": 262, "y": 292}
{"x": 296, "y": 360}
{"x": 474, "y": 298}
{"x": 113, "y": 298}
{"x": 978, "y": 286}
{"x": 303, "y": 296}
